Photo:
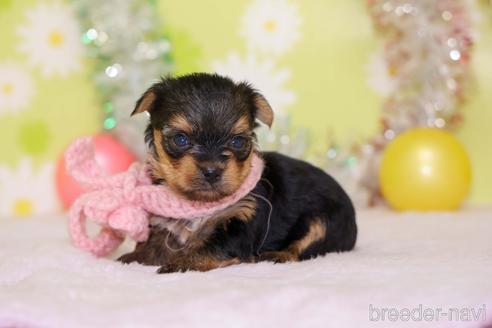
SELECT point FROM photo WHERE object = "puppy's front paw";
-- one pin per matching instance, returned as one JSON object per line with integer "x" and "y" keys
{"x": 201, "y": 263}
{"x": 129, "y": 258}
{"x": 170, "y": 268}
{"x": 277, "y": 257}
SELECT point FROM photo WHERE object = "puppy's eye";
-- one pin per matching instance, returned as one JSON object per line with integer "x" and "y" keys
{"x": 238, "y": 142}
{"x": 181, "y": 140}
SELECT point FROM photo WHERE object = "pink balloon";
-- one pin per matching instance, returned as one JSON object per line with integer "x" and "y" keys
{"x": 110, "y": 155}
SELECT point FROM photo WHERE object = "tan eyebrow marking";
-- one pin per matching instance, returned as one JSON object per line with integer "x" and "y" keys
{"x": 179, "y": 122}
{"x": 242, "y": 125}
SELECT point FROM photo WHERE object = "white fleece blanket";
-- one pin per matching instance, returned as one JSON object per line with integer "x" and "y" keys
{"x": 419, "y": 262}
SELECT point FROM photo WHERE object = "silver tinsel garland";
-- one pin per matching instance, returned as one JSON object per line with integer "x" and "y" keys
{"x": 427, "y": 52}
{"x": 124, "y": 38}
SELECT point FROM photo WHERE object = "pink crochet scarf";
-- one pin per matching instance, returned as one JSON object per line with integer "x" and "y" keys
{"x": 121, "y": 204}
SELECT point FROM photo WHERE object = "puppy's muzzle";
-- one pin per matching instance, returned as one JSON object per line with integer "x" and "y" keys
{"x": 211, "y": 174}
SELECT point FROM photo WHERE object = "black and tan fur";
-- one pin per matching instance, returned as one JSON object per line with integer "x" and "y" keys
{"x": 295, "y": 212}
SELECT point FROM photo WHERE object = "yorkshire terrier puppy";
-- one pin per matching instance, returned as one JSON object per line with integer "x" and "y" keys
{"x": 201, "y": 140}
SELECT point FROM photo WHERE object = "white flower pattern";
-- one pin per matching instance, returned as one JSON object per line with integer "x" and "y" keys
{"x": 271, "y": 26}
{"x": 16, "y": 88}
{"x": 262, "y": 75}
{"x": 378, "y": 75}
{"x": 24, "y": 192}
{"x": 51, "y": 39}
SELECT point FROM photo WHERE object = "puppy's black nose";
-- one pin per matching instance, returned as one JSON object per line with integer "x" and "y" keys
{"x": 211, "y": 173}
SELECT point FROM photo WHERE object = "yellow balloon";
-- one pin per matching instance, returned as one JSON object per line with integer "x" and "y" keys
{"x": 425, "y": 169}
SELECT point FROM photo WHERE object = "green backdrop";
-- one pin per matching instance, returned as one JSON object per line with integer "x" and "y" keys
{"x": 329, "y": 68}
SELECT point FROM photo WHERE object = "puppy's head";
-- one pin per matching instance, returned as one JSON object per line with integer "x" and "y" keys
{"x": 201, "y": 133}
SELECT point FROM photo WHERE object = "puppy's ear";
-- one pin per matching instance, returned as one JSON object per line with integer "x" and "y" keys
{"x": 146, "y": 102}
{"x": 264, "y": 112}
